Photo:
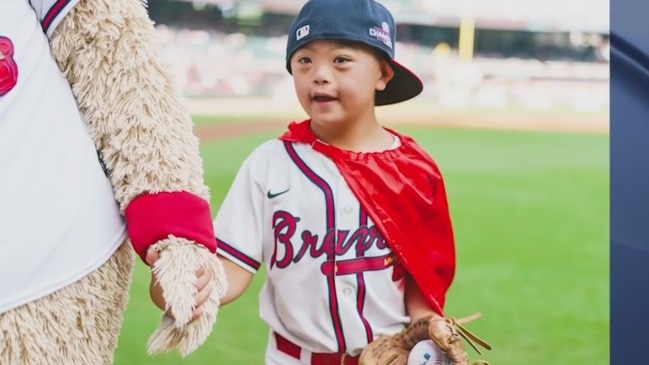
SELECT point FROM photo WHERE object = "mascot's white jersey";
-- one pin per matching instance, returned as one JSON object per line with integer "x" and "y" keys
{"x": 58, "y": 217}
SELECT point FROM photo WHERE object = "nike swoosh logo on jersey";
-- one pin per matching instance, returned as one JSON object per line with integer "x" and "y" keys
{"x": 275, "y": 195}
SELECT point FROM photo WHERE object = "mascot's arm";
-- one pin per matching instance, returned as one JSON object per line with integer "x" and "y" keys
{"x": 108, "y": 51}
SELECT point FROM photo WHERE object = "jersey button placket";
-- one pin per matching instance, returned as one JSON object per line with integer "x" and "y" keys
{"x": 348, "y": 291}
{"x": 345, "y": 215}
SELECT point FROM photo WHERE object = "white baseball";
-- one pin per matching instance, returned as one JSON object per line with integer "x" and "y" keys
{"x": 427, "y": 353}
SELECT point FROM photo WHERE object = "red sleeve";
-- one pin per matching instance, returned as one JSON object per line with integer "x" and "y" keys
{"x": 153, "y": 217}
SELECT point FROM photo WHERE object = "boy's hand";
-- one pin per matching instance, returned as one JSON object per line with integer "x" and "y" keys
{"x": 202, "y": 287}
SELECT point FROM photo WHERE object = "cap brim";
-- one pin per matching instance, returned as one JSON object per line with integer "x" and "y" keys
{"x": 403, "y": 86}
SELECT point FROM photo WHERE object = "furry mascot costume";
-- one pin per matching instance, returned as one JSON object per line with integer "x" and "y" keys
{"x": 98, "y": 161}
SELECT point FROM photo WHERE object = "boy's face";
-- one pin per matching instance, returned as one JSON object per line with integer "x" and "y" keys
{"x": 336, "y": 81}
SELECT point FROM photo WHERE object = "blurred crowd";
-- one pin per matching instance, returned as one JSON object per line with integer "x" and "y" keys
{"x": 210, "y": 63}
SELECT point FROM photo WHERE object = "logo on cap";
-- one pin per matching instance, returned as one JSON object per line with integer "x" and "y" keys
{"x": 302, "y": 32}
{"x": 382, "y": 34}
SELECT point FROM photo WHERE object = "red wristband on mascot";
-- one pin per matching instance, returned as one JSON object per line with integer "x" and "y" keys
{"x": 153, "y": 217}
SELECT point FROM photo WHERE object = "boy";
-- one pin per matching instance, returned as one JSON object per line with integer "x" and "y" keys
{"x": 349, "y": 218}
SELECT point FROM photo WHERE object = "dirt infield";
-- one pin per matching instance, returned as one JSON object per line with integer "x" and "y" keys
{"x": 575, "y": 122}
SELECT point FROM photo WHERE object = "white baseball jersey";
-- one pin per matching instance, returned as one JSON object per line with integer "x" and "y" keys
{"x": 331, "y": 284}
{"x": 58, "y": 217}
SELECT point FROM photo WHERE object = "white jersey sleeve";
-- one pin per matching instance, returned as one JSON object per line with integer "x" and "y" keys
{"x": 239, "y": 222}
{"x": 51, "y": 12}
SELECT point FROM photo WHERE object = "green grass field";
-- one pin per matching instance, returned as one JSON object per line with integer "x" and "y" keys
{"x": 531, "y": 220}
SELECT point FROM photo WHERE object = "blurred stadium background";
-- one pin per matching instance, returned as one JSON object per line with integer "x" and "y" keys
{"x": 534, "y": 55}
{"x": 530, "y": 209}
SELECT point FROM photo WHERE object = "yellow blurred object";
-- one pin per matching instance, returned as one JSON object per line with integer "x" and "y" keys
{"x": 467, "y": 34}
{"x": 442, "y": 49}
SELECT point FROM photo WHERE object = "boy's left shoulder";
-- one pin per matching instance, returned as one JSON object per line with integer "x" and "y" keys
{"x": 408, "y": 141}
{"x": 413, "y": 151}
{"x": 405, "y": 138}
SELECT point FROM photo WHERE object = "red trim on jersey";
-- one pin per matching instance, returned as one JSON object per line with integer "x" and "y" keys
{"x": 152, "y": 217}
{"x": 358, "y": 265}
{"x": 245, "y": 259}
{"x": 360, "y": 297}
{"x": 331, "y": 225}
{"x": 51, "y": 14}
{"x": 403, "y": 192}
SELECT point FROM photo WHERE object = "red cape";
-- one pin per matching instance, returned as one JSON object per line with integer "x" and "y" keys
{"x": 403, "y": 192}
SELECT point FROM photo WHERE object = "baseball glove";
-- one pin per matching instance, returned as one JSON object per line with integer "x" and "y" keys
{"x": 446, "y": 333}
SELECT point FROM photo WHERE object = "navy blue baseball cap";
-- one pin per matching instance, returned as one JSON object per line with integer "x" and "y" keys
{"x": 363, "y": 21}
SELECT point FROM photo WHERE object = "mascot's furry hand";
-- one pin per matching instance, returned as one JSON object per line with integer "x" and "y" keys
{"x": 108, "y": 52}
{"x": 446, "y": 334}
{"x": 174, "y": 270}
